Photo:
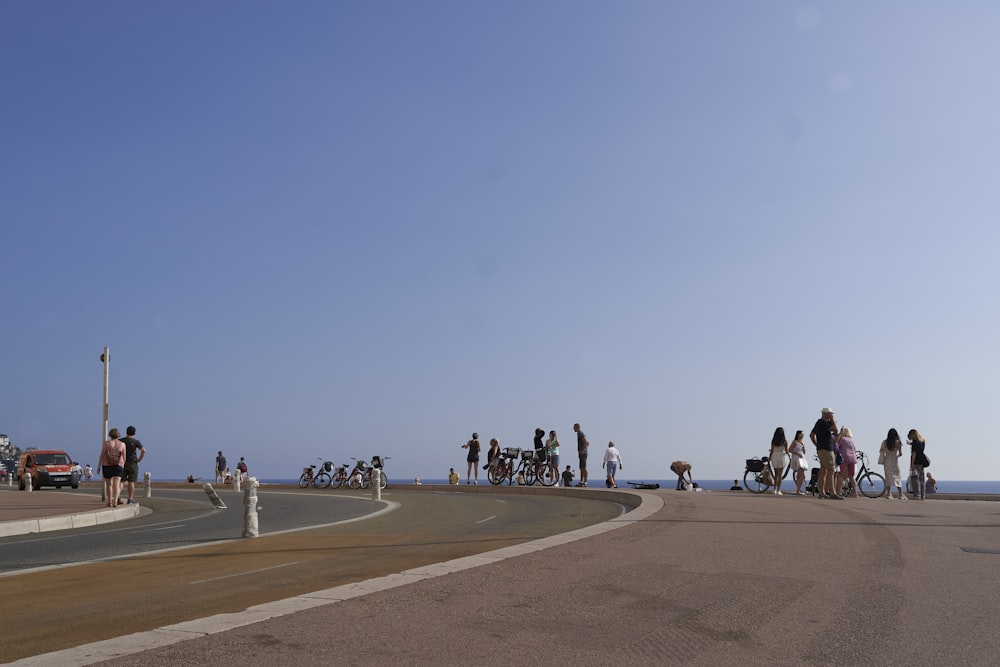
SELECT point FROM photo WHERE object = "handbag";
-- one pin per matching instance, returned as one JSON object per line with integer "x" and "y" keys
{"x": 881, "y": 457}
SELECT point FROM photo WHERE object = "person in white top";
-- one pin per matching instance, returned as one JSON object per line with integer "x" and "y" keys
{"x": 613, "y": 463}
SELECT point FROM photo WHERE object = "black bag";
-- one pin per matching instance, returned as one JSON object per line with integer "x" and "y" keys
{"x": 927, "y": 461}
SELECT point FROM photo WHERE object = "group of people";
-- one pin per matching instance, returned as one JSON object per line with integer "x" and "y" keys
{"x": 119, "y": 464}
{"x": 546, "y": 449}
{"x": 837, "y": 455}
{"x": 222, "y": 472}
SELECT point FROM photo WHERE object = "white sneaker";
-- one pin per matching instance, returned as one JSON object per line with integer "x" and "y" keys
{"x": 778, "y": 493}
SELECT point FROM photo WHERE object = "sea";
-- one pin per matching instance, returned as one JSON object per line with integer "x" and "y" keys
{"x": 944, "y": 486}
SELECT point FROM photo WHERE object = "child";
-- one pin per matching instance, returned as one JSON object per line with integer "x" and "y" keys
{"x": 453, "y": 477}
{"x": 567, "y": 477}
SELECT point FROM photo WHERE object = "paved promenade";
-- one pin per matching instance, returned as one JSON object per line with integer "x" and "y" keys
{"x": 687, "y": 578}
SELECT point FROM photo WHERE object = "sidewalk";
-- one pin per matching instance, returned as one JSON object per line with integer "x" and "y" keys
{"x": 24, "y": 512}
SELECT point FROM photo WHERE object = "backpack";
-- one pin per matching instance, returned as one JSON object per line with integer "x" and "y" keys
{"x": 242, "y": 467}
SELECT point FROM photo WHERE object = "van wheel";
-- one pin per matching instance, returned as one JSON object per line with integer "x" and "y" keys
{"x": 75, "y": 486}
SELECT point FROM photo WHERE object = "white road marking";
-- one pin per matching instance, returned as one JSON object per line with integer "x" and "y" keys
{"x": 240, "y": 574}
{"x": 489, "y": 518}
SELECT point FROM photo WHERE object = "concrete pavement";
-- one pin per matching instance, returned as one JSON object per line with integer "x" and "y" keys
{"x": 694, "y": 579}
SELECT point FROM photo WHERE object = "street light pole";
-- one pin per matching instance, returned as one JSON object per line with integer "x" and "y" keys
{"x": 106, "y": 358}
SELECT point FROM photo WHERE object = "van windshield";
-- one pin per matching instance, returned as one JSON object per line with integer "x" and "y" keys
{"x": 52, "y": 460}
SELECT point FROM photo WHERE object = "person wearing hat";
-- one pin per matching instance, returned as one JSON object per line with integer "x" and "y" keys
{"x": 822, "y": 436}
{"x": 472, "y": 458}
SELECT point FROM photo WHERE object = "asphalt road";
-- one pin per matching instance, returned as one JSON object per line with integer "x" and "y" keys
{"x": 145, "y": 581}
{"x": 181, "y": 518}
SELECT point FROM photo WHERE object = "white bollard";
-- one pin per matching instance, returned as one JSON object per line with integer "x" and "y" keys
{"x": 27, "y": 484}
{"x": 237, "y": 481}
{"x": 214, "y": 496}
{"x": 376, "y": 484}
{"x": 250, "y": 524}
{"x": 149, "y": 484}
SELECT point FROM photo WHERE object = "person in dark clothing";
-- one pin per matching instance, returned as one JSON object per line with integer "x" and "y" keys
{"x": 822, "y": 436}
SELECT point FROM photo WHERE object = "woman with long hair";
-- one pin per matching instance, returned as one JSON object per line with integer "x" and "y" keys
{"x": 799, "y": 464}
{"x": 918, "y": 461}
{"x": 890, "y": 451}
{"x": 779, "y": 457}
{"x": 849, "y": 459}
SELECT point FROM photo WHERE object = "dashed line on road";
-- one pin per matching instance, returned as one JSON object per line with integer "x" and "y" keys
{"x": 489, "y": 518}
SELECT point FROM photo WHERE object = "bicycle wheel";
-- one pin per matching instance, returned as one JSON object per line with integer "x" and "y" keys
{"x": 754, "y": 482}
{"x": 305, "y": 480}
{"x": 530, "y": 476}
{"x": 337, "y": 481}
{"x": 497, "y": 474}
{"x": 354, "y": 482}
{"x": 548, "y": 475}
{"x": 322, "y": 480}
{"x": 871, "y": 485}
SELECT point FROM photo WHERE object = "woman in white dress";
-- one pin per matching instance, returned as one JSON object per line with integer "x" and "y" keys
{"x": 799, "y": 464}
{"x": 890, "y": 451}
{"x": 779, "y": 457}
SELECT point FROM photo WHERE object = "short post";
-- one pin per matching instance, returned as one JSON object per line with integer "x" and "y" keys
{"x": 250, "y": 525}
{"x": 27, "y": 484}
{"x": 376, "y": 484}
{"x": 149, "y": 484}
{"x": 214, "y": 496}
{"x": 237, "y": 481}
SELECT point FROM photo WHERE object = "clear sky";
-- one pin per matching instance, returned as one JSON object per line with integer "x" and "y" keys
{"x": 334, "y": 229}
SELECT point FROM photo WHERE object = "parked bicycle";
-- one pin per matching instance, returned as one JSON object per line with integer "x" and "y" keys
{"x": 758, "y": 476}
{"x": 869, "y": 483}
{"x": 320, "y": 479}
{"x": 502, "y": 467}
{"x": 361, "y": 476}
{"x": 339, "y": 477}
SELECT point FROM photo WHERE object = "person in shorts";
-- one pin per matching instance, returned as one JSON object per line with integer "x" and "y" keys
{"x": 582, "y": 444}
{"x": 822, "y": 436}
{"x": 134, "y": 452}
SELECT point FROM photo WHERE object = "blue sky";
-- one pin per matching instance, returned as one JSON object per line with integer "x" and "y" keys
{"x": 336, "y": 229}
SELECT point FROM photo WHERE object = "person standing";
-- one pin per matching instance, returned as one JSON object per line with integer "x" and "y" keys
{"x": 778, "y": 457}
{"x": 134, "y": 453}
{"x": 539, "y": 445}
{"x": 679, "y": 468}
{"x": 848, "y": 461}
{"x": 552, "y": 449}
{"x": 799, "y": 464}
{"x": 472, "y": 458}
{"x": 220, "y": 468}
{"x": 493, "y": 454}
{"x": 822, "y": 436}
{"x": 242, "y": 469}
{"x": 581, "y": 451}
{"x": 112, "y": 464}
{"x": 88, "y": 473}
{"x": 612, "y": 463}
{"x": 918, "y": 461}
{"x": 889, "y": 452}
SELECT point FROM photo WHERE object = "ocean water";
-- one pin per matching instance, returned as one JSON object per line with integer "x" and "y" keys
{"x": 944, "y": 486}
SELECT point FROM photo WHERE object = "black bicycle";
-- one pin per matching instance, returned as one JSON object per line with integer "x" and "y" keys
{"x": 869, "y": 483}
{"x": 758, "y": 476}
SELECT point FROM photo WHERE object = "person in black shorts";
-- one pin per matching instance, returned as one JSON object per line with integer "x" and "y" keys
{"x": 582, "y": 444}
{"x": 472, "y": 458}
{"x": 134, "y": 452}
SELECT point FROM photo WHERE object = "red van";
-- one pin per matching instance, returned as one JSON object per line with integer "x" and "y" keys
{"x": 47, "y": 467}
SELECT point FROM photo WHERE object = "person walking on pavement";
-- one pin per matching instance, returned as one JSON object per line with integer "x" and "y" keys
{"x": 613, "y": 463}
{"x": 581, "y": 451}
{"x": 134, "y": 453}
{"x": 822, "y": 436}
{"x": 220, "y": 468}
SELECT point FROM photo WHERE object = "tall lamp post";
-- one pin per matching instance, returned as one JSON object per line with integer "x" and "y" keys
{"x": 106, "y": 360}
